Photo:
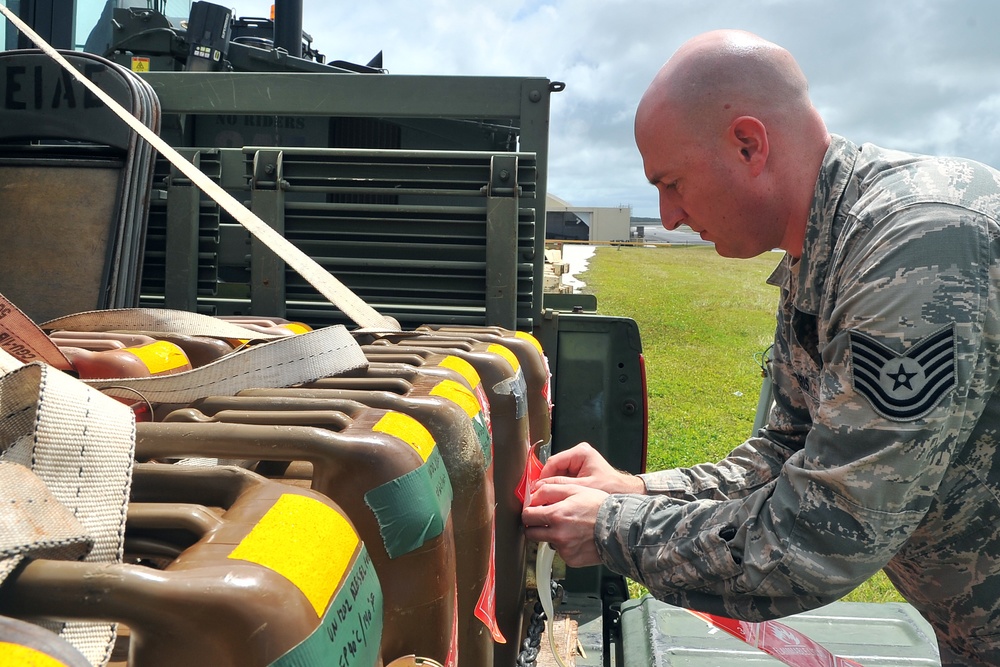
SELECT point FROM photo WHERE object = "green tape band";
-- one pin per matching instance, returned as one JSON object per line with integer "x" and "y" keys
{"x": 350, "y": 632}
{"x": 413, "y": 508}
{"x": 483, "y": 433}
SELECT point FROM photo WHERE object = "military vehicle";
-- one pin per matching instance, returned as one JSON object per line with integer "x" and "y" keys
{"x": 425, "y": 196}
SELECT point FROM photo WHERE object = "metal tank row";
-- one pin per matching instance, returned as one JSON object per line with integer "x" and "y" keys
{"x": 356, "y": 520}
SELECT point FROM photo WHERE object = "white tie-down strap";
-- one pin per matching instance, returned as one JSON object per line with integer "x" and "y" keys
{"x": 285, "y": 362}
{"x": 160, "y": 320}
{"x": 81, "y": 445}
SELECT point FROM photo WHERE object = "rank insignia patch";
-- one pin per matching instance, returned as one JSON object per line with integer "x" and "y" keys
{"x": 904, "y": 387}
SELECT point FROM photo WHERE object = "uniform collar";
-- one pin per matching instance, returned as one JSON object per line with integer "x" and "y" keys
{"x": 809, "y": 273}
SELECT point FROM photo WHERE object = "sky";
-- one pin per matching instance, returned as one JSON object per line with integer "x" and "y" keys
{"x": 916, "y": 75}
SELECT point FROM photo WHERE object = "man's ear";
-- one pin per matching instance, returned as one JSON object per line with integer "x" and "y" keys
{"x": 748, "y": 137}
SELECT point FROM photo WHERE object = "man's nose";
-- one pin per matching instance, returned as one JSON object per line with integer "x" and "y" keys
{"x": 671, "y": 216}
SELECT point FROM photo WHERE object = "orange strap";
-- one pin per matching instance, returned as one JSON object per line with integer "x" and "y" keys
{"x": 22, "y": 339}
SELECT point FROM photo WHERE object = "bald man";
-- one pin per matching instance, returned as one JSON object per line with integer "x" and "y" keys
{"x": 881, "y": 448}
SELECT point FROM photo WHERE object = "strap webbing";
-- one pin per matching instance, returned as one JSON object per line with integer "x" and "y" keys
{"x": 159, "y": 320}
{"x": 280, "y": 363}
{"x": 80, "y": 444}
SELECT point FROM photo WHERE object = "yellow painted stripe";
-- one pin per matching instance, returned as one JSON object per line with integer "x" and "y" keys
{"x": 463, "y": 368}
{"x": 531, "y": 339}
{"x": 408, "y": 429}
{"x": 15, "y": 655}
{"x": 161, "y": 356}
{"x": 297, "y": 327}
{"x": 506, "y": 354}
{"x": 457, "y": 393}
{"x": 307, "y": 542}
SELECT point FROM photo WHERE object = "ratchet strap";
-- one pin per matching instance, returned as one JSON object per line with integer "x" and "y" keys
{"x": 22, "y": 339}
{"x": 66, "y": 454}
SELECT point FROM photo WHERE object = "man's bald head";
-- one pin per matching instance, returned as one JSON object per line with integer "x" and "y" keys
{"x": 724, "y": 74}
{"x": 730, "y": 139}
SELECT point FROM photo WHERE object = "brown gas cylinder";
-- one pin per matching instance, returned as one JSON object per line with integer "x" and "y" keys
{"x": 453, "y": 416}
{"x": 387, "y": 474}
{"x": 280, "y": 577}
{"x": 531, "y": 357}
{"x": 506, "y": 393}
{"x": 99, "y": 340}
{"x": 199, "y": 350}
{"x": 156, "y": 358}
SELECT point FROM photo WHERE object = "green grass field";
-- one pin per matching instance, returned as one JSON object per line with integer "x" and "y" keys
{"x": 705, "y": 321}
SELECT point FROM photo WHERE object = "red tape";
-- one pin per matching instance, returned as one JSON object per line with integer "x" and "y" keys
{"x": 532, "y": 471}
{"x": 779, "y": 641}
{"x": 486, "y": 607}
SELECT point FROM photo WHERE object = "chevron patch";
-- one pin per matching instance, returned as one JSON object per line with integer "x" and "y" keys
{"x": 904, "y": 387}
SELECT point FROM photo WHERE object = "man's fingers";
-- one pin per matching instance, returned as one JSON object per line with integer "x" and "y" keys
{"x": 549, "y": 491}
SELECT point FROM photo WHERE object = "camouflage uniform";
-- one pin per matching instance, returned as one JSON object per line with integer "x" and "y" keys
{"x": 881, "y": 448}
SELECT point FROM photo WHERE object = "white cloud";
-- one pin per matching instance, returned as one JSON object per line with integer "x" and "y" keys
{"x": 915, "y": 75}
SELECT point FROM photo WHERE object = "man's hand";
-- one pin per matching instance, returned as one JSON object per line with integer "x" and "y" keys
{"x": 563, "y": 514}
{"x": 583, "y": 465}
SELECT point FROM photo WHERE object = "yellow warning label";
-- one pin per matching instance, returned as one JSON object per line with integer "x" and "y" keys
{"x": 463, "y": 368}
{"x": 160, "y": 357}
{"x": 531, "y": 339}
{"x": 506, "y": 354}
{"x": 457, "y": 393}
{"x": 307, "y": 542}
{"x": 297, "y": 327}
{"x": 140, "y": 64}
{"x": 409, "y": 429}
{"x": 15, "y": 655}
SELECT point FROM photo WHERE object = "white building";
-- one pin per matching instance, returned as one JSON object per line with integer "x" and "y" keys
{"x": 586, "y": 223}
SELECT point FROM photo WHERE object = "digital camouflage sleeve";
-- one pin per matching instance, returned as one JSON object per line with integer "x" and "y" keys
{"x": 880, "y": 450}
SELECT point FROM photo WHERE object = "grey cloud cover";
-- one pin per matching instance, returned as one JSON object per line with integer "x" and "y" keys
{"x": 917, "y": 75}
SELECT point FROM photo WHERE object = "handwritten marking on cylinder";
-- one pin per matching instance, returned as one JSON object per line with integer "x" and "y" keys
{"x": 305, "y": 541}
{"x": 350, "y": 633}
